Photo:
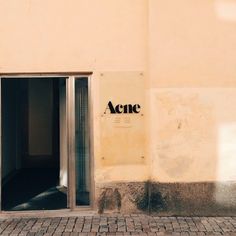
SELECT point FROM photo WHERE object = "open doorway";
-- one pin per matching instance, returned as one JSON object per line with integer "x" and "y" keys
{"x": 34, "y": 156}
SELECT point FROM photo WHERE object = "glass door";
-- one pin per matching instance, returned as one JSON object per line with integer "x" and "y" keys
{"x": 82, "y": 147}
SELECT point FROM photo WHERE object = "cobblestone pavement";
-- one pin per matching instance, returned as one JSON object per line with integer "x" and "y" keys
{"x": 118, "y": 225}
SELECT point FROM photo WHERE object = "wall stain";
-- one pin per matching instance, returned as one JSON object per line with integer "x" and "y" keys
{"x": 141, "y": 199}
{"x": 150, "y": 200}
{"x": 198, "y": 198}
{"x": 179, "y": 125}
{"x": 109, "y": 199}
{"x": 101, "y": 202}
{"x": 117, "y": 197}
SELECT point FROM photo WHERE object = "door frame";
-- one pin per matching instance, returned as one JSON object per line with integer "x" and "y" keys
{"x": 71, "y": 142}
{"x": 70, "y": 123}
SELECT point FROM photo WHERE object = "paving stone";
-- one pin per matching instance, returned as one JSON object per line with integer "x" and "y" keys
{"x": 118, "y": 224}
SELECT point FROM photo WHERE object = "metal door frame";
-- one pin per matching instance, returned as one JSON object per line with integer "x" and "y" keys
{"x": 71, "y": 142}
{"x": 70, "y": 122}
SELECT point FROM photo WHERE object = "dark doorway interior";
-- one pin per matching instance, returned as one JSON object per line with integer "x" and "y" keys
{"x": 31, "y": 145}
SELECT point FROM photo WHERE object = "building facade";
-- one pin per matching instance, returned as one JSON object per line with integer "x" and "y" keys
{"x": 131, "y": 102}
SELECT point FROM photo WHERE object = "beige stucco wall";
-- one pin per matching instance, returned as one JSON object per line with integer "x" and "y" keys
{"x": 192, "y": 64}
{"x": 185, "y": 48}
{"x": 93, "y": 35}
{"x": 73, "y": 35}
{"x": 194, "y": 137}
{"x": 192, "y": 43}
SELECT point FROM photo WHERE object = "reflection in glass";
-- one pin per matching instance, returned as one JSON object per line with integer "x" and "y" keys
{"x": 82, "y": 162}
